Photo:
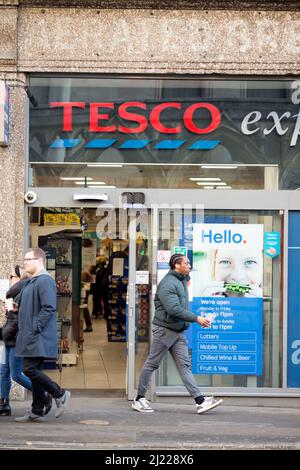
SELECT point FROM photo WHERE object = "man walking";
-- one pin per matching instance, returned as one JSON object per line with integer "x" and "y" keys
{"x": 171, "y": 318}
{"x": 37, "y": 335}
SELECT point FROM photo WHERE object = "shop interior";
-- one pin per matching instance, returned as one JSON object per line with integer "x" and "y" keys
{"x": 91, "y": 276}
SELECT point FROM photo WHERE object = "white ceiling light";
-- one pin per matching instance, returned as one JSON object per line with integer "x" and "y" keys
{"x": 105, "y": 165}
{"x": 102, "y": 187}
{"x": 208, "y": 187}
{"x": 205, "y": 179}
{"x": 75, "y": 178}
{"x": 220, "y": 167}
{"x": 217, "y": 183}
{"x": 91, "y": 182}
{"x": 223, "y": 187}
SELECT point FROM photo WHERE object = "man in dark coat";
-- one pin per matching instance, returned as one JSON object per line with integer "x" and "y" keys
{"x": 171, "y": 319}
{"x": 37, "y": 335}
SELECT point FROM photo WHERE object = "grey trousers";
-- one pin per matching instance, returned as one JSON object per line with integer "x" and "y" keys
{"x": 165, "y": 340}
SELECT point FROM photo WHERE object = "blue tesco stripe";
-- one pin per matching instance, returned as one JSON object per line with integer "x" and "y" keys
{"x": 134, "y": 144}
{"x": 169, "y": 144}
{"x": 100, "y": 143}
{"x": 65, "y": 143}
{"x": 204, "y": 144}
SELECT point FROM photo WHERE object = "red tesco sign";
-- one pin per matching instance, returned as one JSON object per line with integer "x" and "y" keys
{"x": 98, "y": 115}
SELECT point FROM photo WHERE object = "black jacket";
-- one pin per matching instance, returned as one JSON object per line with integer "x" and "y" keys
{"x": 10, "y": 329}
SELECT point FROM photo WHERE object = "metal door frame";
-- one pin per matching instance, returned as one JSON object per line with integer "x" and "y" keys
{"x": 130, "y": 368}
{"x": 131, "y": 389}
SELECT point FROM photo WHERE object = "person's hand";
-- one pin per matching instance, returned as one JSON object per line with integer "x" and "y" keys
{"x": 255, "y": 291}
{"x": 3, "y": 307}
{"x": 204, "y": 322}
{"x": 15, "y": 307}
{"x": 215, "y": 288}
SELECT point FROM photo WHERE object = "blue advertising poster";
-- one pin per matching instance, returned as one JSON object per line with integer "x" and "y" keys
{"x": 293, "y": 341}
{"x": 233, "y": 343}
{"x": 226, "y": 284}
{"x": 272, "y": 244}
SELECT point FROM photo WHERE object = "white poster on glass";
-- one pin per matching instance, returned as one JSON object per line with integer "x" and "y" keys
{"x": 227, "y": 258}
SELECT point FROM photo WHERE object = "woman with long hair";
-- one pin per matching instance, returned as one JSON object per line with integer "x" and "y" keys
{"x": 12, "y": 368}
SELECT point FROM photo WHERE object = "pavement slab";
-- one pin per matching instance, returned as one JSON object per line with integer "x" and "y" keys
{"x": 110, "y": 423}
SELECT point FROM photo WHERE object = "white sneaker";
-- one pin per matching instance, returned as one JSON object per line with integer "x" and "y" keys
{"x": 142, "y": 405}
{"x": 209, "y": 399}
{"x": 208, "y": 404}
{"x": 62, "y": 403}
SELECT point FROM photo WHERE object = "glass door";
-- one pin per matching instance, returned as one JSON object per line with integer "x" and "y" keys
{"x": 258, "y": 362}
{"x": 139, "y": 302}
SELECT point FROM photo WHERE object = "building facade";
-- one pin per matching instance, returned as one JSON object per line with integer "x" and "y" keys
{"x": 165, "y": 102}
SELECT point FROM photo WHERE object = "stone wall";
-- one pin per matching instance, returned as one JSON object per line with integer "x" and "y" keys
{"x": 158, "y": 41}
{"x": 12, "y": 171}
{"x": 12, "y": 193}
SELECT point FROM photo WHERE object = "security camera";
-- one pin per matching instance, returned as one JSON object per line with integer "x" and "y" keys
{"x": 30, "y": 197}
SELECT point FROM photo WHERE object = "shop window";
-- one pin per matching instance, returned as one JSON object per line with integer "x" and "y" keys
{"x": 269, "y": 319}
{"x": 162, "y": 133}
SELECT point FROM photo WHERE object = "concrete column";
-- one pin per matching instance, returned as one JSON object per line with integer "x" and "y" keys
{"x": 12, "y": 168}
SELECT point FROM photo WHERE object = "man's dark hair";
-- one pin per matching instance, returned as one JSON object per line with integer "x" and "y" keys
{"x": 175, "y": 259}
{"x": 37, "y": 253}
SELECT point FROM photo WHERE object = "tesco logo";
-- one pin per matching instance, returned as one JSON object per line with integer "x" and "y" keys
{"x": 137, "y": 112}
{"x": 227, "y": 236}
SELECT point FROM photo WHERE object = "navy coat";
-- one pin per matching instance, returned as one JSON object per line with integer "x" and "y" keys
{"x": 37, "y": 335}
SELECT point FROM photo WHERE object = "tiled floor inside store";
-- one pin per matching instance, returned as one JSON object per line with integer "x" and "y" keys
{"x": 101, "y": 364}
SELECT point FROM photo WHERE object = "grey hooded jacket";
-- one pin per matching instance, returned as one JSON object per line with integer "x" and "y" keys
{"x": 37, "y": 335}
{"x": 171, "y": 303}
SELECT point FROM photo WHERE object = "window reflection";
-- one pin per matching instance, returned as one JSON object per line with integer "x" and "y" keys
{"x": 153, "y": 176}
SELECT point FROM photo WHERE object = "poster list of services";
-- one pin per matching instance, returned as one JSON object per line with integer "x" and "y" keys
{"x": 233, "y": 342}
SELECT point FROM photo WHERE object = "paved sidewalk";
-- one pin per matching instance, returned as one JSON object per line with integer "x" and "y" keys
{"x": 110, "y": 423}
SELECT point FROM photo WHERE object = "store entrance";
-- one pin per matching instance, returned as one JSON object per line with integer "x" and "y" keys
{"x": 93, "y": 265}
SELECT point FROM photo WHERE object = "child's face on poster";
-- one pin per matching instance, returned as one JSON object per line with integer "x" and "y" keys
{"x": 243, "y": 266}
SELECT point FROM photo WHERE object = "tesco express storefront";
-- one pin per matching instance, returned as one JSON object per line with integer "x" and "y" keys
{"x": 213, "y": 165}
